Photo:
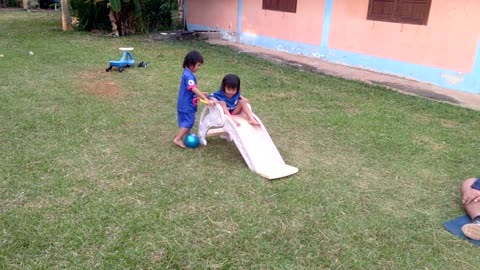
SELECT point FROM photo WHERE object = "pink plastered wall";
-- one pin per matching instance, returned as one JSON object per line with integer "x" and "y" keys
{"x": 219, "y": 15}
{"x": 448, "y": 41}
{"x": 304, "y": 26}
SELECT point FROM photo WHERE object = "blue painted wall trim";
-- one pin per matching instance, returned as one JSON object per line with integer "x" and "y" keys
{"x": 327, "y": 18}
{"x": 240, "y": 14}
{"x": 469, "y": 82}
{"x": 466, "y": 82}
{"x": 476, "y": 70}
{"x": 197, "y": 27}
{"x": 227, "y": 35}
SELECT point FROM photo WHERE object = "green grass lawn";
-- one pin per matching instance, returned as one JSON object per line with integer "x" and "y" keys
{"x": 90, "y": 178}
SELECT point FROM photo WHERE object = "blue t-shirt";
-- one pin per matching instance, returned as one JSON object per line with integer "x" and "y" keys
{"x": 230, "y": 102}
{"x": 185, "y": 93}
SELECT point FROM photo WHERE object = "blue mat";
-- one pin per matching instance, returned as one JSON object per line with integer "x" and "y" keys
{"x": 455, "y": 227}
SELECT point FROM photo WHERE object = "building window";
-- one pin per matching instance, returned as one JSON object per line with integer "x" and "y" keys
{"x": 280, "y": 5}
{"x": 399, "y": 11}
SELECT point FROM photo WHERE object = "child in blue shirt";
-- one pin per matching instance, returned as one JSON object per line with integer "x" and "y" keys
{"x": 230, "y": 99}
{"x": 187, "y": 91}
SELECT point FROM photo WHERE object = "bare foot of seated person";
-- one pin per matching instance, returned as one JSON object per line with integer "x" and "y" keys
{"x": 472, "y": 230}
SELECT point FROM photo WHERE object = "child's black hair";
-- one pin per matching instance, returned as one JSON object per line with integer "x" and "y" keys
{"x": 230, "y": 80}
{"x": 192, "y": 58}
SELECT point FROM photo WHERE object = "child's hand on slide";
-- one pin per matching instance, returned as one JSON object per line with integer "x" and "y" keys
{"x": 212, "y": 102}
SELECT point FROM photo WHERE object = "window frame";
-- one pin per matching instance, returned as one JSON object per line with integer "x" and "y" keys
{"x": 280, "y": 5}
{"x": 395, "y": 16}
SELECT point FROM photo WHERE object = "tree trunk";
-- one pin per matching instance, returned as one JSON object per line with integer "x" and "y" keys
{"x": 25, "y": 4}
{"x": 181, "y": 13}
{"x": 113, "y": 21}
{"x": 180, "y": 9}
{"x": 66, "y": 19}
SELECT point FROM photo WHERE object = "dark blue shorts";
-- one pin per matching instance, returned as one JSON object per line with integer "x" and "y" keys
{"x": 186, "y": 120}
{"x": 476, "y": 184}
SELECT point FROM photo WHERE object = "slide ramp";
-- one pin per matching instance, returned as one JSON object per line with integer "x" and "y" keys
{"x": 253, "y": 142}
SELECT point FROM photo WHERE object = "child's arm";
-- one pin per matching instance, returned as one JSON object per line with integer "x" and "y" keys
{"x": 202, "y": 95}
{"x": 242, "y": 97}
{"x": 215, "y": 101}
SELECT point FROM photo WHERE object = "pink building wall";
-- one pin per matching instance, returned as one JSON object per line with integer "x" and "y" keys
{"x": 304, "y": 26}
{"x": 445, "y": 52}
{"x": 219, "y": 15}
{"x": 449, "y": 40}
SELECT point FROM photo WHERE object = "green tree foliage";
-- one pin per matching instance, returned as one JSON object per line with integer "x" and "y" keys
{"x": 130, "y": 16}
{"x": 158, "y": 14}
{"x": 9, "y": 3}
{"x": 91, "y": 14}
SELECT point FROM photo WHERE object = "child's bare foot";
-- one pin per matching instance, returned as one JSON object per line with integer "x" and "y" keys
{"x": 253, "y": 122}
{"x": 179, "y": 143}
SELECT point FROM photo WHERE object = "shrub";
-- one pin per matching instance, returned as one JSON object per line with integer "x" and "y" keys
{"x": 91, "y": 14}
{"x": 157, "y": 14}
{"x": 131, "y": 15}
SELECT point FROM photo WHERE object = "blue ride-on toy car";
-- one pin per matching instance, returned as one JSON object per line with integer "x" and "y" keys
{"x": 126, "y": 61}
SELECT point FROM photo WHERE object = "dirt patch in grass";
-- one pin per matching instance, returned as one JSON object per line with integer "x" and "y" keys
{"x": 430, "y": 143}
{"x": 95, "y": 83}
{"x": 103, "y": 89}
{"x": 449, "y": 123}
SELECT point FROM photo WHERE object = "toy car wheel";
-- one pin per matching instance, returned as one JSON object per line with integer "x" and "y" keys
{"x": 120, "y": 69}
{"x": 108, "y": 69}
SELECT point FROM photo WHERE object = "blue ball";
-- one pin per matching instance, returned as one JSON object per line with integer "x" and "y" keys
{"x": 191, "y": 141}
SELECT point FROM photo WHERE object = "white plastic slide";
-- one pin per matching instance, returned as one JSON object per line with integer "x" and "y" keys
{"x": 253, "y": 142}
